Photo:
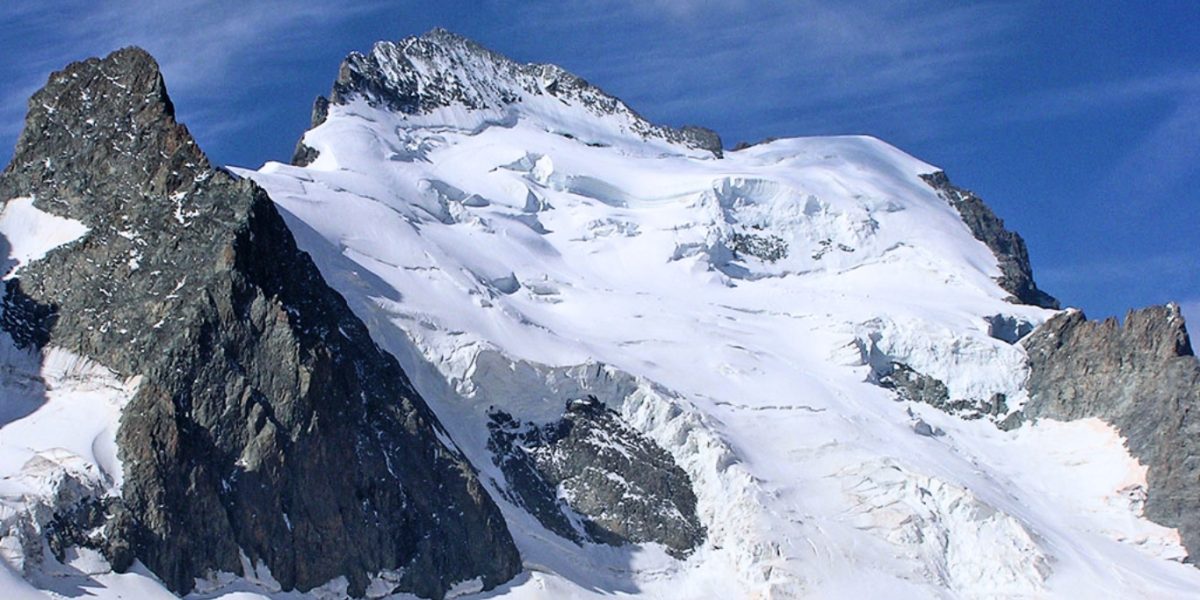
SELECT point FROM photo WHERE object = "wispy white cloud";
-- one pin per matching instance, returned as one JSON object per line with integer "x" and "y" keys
{"x": 1120, "y": 272}
{"x": 800, "y": 66}
{"x": 196, "y": 42}
{"x": 806, "y": 65}
{"x": 1165, "y": 157}
{"x": 1054, "y": 103}
{"x": 1110, "y": 283}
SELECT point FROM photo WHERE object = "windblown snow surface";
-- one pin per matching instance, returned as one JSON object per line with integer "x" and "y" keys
{"x": 732, "y": 310}
{"x": 517, "y": 263}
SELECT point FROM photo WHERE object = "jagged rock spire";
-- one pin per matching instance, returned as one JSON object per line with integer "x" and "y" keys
{"x": 267, "y": 423}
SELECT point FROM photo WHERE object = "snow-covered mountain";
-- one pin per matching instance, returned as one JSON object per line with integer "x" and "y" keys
{"x": 807, "y": 368}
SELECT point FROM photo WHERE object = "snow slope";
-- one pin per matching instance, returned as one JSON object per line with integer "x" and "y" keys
{"x": 535, "y": 249}
{"x": 58, "y": 423}
{"x": 509, "y": 263}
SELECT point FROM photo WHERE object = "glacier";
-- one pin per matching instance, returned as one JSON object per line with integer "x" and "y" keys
{"x": 521, "y": 247}
{"x": 499, "y": 253}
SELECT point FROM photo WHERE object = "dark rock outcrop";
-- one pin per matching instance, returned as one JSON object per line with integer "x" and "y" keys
{"x": 267, "y": 423}
{"x": 305, "y": 155}
{"x": 911, "y": 385}
{"x": 767, "y": 247}
{"x": 1140, "y": 376}
{"x": 1016, "y": 276}
{"x": 591, "y": 477}
{"x": 742, "y": 145}
{"x": 439, "y": 69}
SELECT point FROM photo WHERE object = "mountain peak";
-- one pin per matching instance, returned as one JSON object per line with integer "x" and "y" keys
{"x": 634, "y": 369}
{"x": 446, "y": 38}
{"x": 128, "y": 79}
{"x": 421, "y": 75}
{"x": 98, "y": 107}
{"x": 254, "y": 377}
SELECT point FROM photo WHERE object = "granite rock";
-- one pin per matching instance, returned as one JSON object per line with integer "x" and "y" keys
{"x": 267, "y": 424}
{"x": 1143, "y": 378}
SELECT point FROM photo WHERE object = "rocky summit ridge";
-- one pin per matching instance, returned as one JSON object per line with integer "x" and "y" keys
{"x": 443, "y": 70}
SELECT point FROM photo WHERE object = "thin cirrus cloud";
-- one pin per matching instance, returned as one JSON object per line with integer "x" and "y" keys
{"x": 681, "y": 59}
{"x": 196, "y": 42}
{"x": 1117, "y": 282}
{"x": 1124, "y": 272}
{"x": 1163, "y": 160}
{"x": 1066, "y": 101}
{"x": 803, "y": 65}
{"x": 913, "y": 70}
{"x": 787, "y": 67}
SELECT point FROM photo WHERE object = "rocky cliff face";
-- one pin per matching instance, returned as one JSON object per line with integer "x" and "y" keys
{"x": 591, "y": 477}
{"x": 441, "y": 69}
{"x": 1016, "y": 274}
{"x": 1142, "y": 377}
{"x": 268, "y": 424}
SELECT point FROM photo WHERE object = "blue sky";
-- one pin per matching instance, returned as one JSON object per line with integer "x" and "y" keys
{"x": 1079, "y": 122}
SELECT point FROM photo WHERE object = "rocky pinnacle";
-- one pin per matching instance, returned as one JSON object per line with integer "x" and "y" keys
{"x": 268, "y": 426}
